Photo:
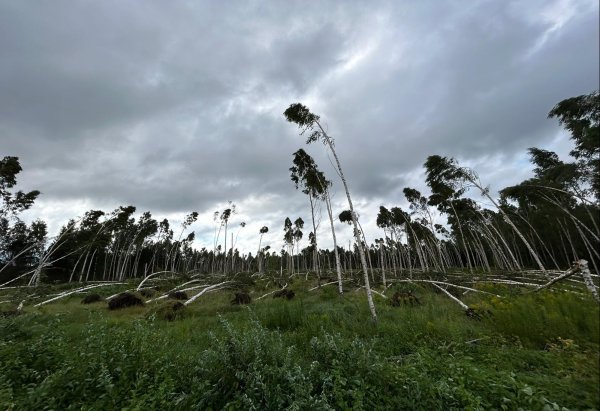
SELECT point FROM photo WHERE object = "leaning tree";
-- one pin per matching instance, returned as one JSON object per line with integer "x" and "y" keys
{"x": 19, "y": 244}
{"x": 307, "y": 121}
{"x": 452, "y": 174}
{"x": 306, "y": 174}
{"x": 259, "y": 254}
{"x": 581, "y": 117}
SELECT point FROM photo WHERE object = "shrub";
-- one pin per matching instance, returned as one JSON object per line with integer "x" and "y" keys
{"x": 9, "y": 313}
{"x": 169, "y": 311}
{"x": 477, "y": 313}
{"x": 404, "y": 298}
{"x": 148, "y": 292}
{"x": 241, "y": 297}
{"x": 285, "y": 293}
{"x": 252, "y": 368}
{"x": 124, "y": 300}
{"x": 91, "y": 298}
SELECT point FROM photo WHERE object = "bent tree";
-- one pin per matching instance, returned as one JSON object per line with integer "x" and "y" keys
{"x": 580, "y": 116}
{"x": 259, "y": 254}
{"x": 225, "y": 216}
{"x": 301, "y": 115}
{"x": 297, "y": 236}
{"x": 20, "y": 245}
{"x": 453, "y": 173}
{"x": 305, "y": 173}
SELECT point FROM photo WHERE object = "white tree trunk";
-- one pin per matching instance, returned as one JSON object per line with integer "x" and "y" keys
{"x": 510, "y": 223}
{"x": 355, "y": 223}
{"x": 335, "y": 248}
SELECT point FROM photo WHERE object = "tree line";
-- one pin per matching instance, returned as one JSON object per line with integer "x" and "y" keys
{"x": 542, "y": 223}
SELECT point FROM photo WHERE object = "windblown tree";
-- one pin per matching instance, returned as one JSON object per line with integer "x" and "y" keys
{"x": 556, "y": 193}
{"x": 297, "y": 235}
{"x": 13, "y": 203}
{"x": 186, "y": 223}
{"x": 446, "y": 190}
{"x": 419, "y": 207}
{"x": 165, "y": 235}
{"x": 306, "y": 174}
{"x": 87, "y": 244}
{"x": 481, "y": 226}
{"x": 346, "y": 217}
{"x": 380, "y": 242}
{"x": 307, "y": 121}
{"x": 401, "y": 218}
{"x": 451, "y": 174}
{"x": 224, "y": 219}
{"x": 559, "y": 204}
{"x": 20, "y": 245}
{"x": 140, "y": 232}
{"x": 396, "y": 222}
{"x": 288, "y": 239}
{"x": 260, "y": 252}
{"x": 581, "y": 117}
{"x": 233, "y": 254}
{"x": 391, "y": 222}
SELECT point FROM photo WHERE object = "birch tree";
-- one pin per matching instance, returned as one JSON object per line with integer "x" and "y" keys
{"x": 259, "y": 254}
{"x": 454, "y": 172}
{"x": 306, "y": 174}
{"x": 307, "y": 121}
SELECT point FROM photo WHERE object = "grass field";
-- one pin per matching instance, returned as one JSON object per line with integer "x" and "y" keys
{"x": 316, "y": 351}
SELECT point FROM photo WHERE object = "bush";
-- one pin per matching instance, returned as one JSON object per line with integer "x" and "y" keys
{"x": 404, "y": 298}
{"x": 9, "y": 313}
{"x": 285, "y": 293}
{"x": 148, "y": 292}
{"x": 252, "y": 369}
{"x": 241, "y": 297}
{"x": 168, "y": 311}
{"x": 91, "y": 298}
{"x": 124, "y": 300}
{"x": 477, "y": 313}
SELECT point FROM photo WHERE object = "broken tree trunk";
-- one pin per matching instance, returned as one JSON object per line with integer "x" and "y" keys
{"x": 580, "y": 266}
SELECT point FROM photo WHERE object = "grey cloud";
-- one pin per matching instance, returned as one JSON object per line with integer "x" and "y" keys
{"x": 178, "y": 106}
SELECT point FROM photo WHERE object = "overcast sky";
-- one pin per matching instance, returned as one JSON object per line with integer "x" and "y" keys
{"x": 176, "y": 106}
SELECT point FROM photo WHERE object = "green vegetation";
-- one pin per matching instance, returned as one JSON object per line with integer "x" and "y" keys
{"x": 318, "y": 350}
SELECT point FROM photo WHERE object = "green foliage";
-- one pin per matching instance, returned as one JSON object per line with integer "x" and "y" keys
{"x": 13, "y": 203}
{"x": 317, "y": 351}
{"x": 539, "y": 319}
{"x": 581, "y": 117}
{"x": 283, "y": 316}
{"x": 20, "y": 245}
{"x": 305, "y": 173}
{"x": 301, "y": 115}
{"x": 168, "y": 311}
{"x": 251, "y": 369}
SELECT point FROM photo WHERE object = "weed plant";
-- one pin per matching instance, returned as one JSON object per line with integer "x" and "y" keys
{"x": 316, "y": 351}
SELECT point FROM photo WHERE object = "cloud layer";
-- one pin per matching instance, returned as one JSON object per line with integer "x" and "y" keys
{"x": 176, "y": 106}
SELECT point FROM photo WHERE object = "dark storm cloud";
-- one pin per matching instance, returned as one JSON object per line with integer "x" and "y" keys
{"x": 177, "y": 106}
{"x": 476, "y": 87}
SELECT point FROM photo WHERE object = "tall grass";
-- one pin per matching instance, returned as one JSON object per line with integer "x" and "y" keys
{"x": 317, "y": 351}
